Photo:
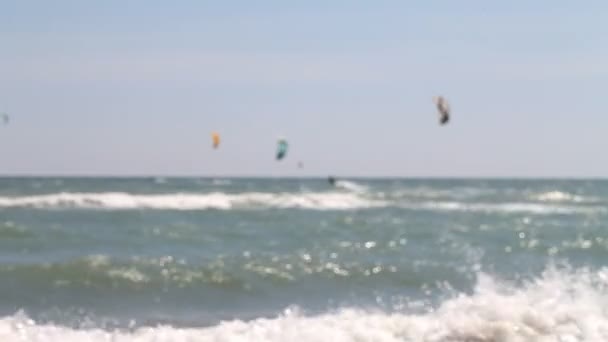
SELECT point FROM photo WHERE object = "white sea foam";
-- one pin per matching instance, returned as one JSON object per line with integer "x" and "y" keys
{"x": 334, "y": 200}
{"x": 558, "y": 306}
{"x": 351, "y": 186}
{"x": 193, "y": 201}
{"x": 508, "y": 207}
{"x": 559, "y": 196}
{"x": 457, "y": 193}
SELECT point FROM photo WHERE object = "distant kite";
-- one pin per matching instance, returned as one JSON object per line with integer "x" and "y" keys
{"x": 443, "y": 108}
{"x": 5, "y": 118}
{"x": 216, "y": 139}
{"x": 281, "y": 148}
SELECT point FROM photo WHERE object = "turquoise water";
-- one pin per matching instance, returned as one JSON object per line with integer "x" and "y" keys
{"x": 178, "y": 259}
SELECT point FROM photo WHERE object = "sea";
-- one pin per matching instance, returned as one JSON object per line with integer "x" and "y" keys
{"x": 259, "y": 259}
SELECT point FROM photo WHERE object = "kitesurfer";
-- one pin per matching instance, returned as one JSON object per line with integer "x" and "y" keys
{"x": 331, "y": 180}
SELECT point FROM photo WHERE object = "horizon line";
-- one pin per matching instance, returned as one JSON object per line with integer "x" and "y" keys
{"x": 291, "y": 176}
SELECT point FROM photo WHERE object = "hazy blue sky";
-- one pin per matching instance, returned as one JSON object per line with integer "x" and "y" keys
{"x": 136, "y": 87}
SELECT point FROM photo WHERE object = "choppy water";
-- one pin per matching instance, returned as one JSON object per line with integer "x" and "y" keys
{"x": 154, "y": 259}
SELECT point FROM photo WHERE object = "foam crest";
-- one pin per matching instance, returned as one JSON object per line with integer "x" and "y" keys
{"x": 558, "y": 306}
{"x": 559, "y": 196}
{"x": 509, "y": 207}
{"x": 351, "y": 186}
{"x": 193, "y": 201}
{"x": 332, "y": 200}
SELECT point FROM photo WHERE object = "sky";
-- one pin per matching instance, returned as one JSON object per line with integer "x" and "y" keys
{"x": 136, "y": 87}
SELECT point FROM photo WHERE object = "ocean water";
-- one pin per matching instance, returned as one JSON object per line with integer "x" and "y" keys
{"x": 201, "y": 259}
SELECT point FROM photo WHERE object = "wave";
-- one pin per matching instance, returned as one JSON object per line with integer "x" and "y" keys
{"x": 509, "y": 207}
{"x": 332, "y": 200}
{"x": 351, "y": 186}
{"x": 10, "y": 230}
{"x": 193, "y": 201}
{"x": 456, "y": 193}
{"x": 237, "y": 273}
{"x": 560, "y": 305}
{"x": 102, "y": 272}
{"x": 559, "y": 196}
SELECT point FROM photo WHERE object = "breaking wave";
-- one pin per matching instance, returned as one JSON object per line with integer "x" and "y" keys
{"x": 509, "y": 207}
{"x": 351, "y": 186}
{"x": 193, "y": 201}
{"x": 559, "y": 305}
{"x": 559, "y": 196}
{"x": 354, "y": 199}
